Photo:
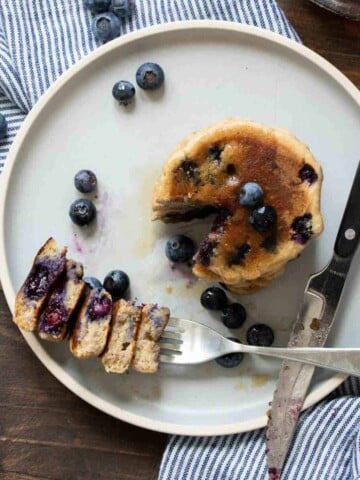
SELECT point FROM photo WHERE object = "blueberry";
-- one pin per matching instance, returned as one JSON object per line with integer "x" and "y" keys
{"x": 189, "y": 169}
{"x": 308, "y": 174}
{"x": 238, "y": 257}
{"x": 231, "y": 360}
{"x": 150, "y": 76}
{"x": 230, "y": 169}
{"x": 85, "y": 181}
{"x": 234, "y": 315}
{"x": 215, "y": 153}
{"x": 93, "y": 282}
{"x": 3, "y": 126}
{"x": 179, "y": 249}
{"x": 251, "y": 195}
{"x": 116, "y": 282}
{"x": 106, "y": 26}
{"x": 121, "y": 8}
{"x": 99, "y": 306}
{"x": 214, "y": 298}
{"x": 97, "y": 6}
{"x": 82, "y": 211}
{"x": 124, "y": 92}
{"x": 302, "y": 227}
{"x": 263, "y": 218}
{"x": 260, "y": 335}
{"x": 205, "y": 252}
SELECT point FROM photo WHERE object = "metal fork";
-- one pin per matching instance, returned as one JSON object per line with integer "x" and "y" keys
{"x": 187, "y": 342}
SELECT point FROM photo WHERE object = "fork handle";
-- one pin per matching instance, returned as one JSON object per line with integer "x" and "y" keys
{"x": 346, "y": 360}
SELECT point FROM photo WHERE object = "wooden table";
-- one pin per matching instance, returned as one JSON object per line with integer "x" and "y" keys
{"x": 46, "y": 432}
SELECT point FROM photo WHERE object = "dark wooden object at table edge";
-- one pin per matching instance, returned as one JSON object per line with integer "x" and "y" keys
{"x": 46, "y": 432}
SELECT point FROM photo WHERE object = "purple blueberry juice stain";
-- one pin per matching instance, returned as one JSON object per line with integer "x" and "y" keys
{"x": 274, "y": 473}
{"x": 77, "y": 245}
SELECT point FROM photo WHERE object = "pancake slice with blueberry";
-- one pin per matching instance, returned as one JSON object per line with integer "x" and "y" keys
{"x": 263, "y": 187}
{"x": 55, "y": 319}
{"x": 47, "y": 269}
{"x": 120, "y": 347}
{"x": 92, "y": 325}
{"x": 147, "y": 351}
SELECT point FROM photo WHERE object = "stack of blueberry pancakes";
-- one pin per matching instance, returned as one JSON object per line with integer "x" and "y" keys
{"x": 263, "y": 186}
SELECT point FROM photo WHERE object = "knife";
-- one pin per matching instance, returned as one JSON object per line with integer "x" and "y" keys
{"x": 311, "y": 329}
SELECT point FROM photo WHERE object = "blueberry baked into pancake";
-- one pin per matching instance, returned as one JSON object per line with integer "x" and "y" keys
{"x": 147, "y": 351}
{"x": 92, "y": 325}
{"x": 56, "y": 317}
{"x": 120, "y": 347}
{"x": 262, "y": 184}
{"x": 48, "y": 267}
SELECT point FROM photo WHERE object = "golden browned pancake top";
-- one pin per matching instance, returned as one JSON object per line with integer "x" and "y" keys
{"x": 210, "y": 167}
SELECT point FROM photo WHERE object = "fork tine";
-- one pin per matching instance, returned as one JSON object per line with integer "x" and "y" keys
{"x": 167, "y": 358}
{"x": 170, "y": 346}
{"x": 175, "y": 323}
{"x": 167, "y": 334}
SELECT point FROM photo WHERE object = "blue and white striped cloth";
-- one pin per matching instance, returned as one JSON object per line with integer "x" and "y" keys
{"x": 39, "y": 40}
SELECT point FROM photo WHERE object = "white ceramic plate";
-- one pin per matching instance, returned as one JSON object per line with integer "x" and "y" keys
{"x": 213, "y": 70}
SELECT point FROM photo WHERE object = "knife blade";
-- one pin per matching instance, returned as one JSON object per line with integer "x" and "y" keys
{"x": 311, "y": 329}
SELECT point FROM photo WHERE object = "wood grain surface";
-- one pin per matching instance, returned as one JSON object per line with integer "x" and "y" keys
{"x": 46, "y": 432}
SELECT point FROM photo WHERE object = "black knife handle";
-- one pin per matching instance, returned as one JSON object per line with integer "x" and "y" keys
{"x": 348, "y": 235}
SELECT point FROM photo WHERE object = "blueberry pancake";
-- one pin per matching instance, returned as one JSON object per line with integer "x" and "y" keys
{"x": 263, "y": 187}
{"x": 47, "y": 269}
{"x": 120, "y": 347}
{"x": 54, "y": 320}
{"x": 147, "y": 351}
{"x": 92, "y": 325}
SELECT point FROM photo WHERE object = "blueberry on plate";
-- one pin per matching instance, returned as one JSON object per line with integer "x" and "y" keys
{"x": 3, "y": 126}
{"x": 82, "y": 212}
{"x": 260, "y": 335}
{"x": 121, "y": 8}
{"x": 213, "y": 298}
{"x": 85, "y": 181}
{"x": 124, "y": 92}
{"x": 230, "y": 360}
{"x": 251, "y": 195}
{"x": 234, "y": 315}
{"x": 179, "y": 249}
{"x": 116, "y": 283}
{"x": 106, "y": 26}
{"x": 150, "y": 76}
{"x": 93, "y": 282}
{"x": 263, "y": 218}
{"x": 97, "y": 6}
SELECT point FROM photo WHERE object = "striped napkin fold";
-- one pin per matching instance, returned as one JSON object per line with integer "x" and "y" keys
{"x": 39, "y": 40}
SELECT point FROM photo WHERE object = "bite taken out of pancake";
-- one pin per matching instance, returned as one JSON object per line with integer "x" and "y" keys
{"x": 205, "y": 174}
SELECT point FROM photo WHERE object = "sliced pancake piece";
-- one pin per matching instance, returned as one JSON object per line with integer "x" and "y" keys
{"x": 47, "y": 269}
{"x": 205, "y": 174}
{"x": 92, "y": 325}
{"x": 147, "y": 352}
{"x": 55, "y": 319}
{"x": 120, "y": 347}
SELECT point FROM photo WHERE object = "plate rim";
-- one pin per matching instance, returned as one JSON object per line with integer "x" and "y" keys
{"x": 54, "y": 368}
